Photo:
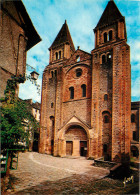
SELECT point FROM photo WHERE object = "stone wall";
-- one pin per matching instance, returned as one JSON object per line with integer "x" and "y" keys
{"x": 13, "y": 45}
{"x": 104, "y": 110}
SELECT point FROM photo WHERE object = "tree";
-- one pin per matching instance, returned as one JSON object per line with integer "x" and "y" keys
{"x": 14, "y": 114}
{"x": 13, "y": 128}
{"x": 17, "y": 121}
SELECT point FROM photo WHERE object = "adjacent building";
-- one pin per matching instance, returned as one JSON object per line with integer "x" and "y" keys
{"x": 17, "y": 36}
{"x": 86, "y": 97}
{"x": 34, "y": 108}
{"x": 135, "y": 129}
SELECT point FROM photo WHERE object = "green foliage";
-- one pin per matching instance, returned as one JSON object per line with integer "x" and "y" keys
{"x": 11, "y": 86}
{"x": 17, "y": 123}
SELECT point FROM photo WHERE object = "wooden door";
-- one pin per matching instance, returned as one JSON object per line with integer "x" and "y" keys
{"x": 69, "y": 147}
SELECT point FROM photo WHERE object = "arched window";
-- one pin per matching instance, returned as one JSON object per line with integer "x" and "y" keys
{"x": 78, "y": 72}
{"x": 55, "y": 73}
{"x": 52, "y": 73}
{"x": 52, "y": 121}
{"x": 106, "y": 119}
{"x": 103, "y": 59}
{"x": 105, "y": 37}
{"x": 133, "y": 118}
{"x": 59, "y": 54}
{"x": 83, "y": 90}
{"x": 71, "y": 89}
{"x": 110, "y": 35}
{"x": 105, "y": 97}
{"x": 56, "y": 55}
{"x": 52, "y": 105}
{"x": 108, "y": 57}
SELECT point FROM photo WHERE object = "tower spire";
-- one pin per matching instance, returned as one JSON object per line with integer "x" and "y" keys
{"x": 62, "y": 47}
{"x": 110, "y": 14}
{"x": 63, "y": 37}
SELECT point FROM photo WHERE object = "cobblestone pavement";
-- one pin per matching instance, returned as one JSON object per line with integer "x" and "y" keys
{"x": 44, "y": 174}
{"x": 35, "y": 168}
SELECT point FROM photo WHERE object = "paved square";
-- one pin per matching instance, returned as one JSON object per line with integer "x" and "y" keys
{"x": 35, "y": 168}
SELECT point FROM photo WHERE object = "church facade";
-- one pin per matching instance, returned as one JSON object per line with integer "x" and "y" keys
{"x": 86, "y": 97}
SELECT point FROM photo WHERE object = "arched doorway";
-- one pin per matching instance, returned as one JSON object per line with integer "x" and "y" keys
{"x": 35, "y": 142}
{"x": 76, "y": 141}
{"x": 134, "y": 151}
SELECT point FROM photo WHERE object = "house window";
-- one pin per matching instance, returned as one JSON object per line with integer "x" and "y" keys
{"x": 133, "y": 118}
{"x": 105, "y": 97}
{"x": 59, "y": 54}
{"x": 110, "y": 35}
{"x": 56, "y": 55}
{"x": 71, "y": 89}
{"x": 83, "y": 90}
{"x": 103, "y": 59}
{"x": 78, "y": 72}
{"x": 105, "y": 37}
{"x": 52, "y": 73}
{"x": 106, "y": 119}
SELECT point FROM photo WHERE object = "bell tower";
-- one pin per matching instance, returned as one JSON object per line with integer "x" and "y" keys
{"x": 52, "y": 89}
{"x": 62, "y": 47}
{"x": 111, "y": 87}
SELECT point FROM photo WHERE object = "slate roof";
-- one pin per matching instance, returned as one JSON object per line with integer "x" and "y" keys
{"x": 63, "y": 37}
{"x": 110, "y": 14}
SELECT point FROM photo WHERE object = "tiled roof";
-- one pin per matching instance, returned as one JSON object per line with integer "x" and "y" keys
{"x": 36, "y": 105}
{"x": 63, "y": 37}
{"x": 110, "y": 14}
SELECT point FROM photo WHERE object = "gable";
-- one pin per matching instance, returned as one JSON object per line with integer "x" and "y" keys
{"x": 75, "y": 120}
{"x": 78, "y": 57}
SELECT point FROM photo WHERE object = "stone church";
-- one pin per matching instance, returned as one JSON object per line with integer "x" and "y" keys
{"x": 86, "y": 97}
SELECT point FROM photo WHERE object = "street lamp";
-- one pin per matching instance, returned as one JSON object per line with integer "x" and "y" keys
{"x": 34, "y": 75}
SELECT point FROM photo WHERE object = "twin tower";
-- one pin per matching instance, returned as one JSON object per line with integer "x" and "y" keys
{"x": 86, "y": 98}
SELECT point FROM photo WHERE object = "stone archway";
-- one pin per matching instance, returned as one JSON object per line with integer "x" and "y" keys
{"x": 76, "y": 141}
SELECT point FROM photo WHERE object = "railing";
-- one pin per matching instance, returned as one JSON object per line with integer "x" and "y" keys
{"x": 14, "y": 159}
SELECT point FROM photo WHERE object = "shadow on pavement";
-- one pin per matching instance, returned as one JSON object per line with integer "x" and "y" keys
{"x": 81, "y": 184}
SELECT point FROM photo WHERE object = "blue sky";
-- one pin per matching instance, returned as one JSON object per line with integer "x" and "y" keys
{"x": 82, "y": 16}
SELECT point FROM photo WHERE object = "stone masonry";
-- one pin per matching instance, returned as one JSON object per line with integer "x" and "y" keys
{"x": 17, "y": 35}
{"x": 86, "y": 98}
